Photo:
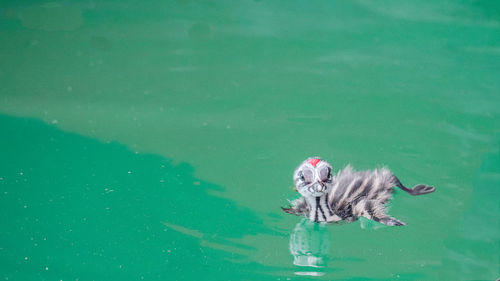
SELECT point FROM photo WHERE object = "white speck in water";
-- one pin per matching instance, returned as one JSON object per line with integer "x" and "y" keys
{"x": 129, "y": 172}
{"x": 228, "y": 126}
{"x": 21, "y": 173}
{"x": 25, "y": 206}
{"x": 46, "y": 268}
{"x": 162, "y": 180}
{"x": 25, "y": 258}
{"x": 54, "y": 121}
{"x": 1, "y": 179}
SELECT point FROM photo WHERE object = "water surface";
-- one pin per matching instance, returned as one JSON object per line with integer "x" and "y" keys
{"x": 157, "y": 140}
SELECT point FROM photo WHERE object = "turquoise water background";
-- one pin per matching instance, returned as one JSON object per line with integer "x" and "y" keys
{"x": 157, "y": 140}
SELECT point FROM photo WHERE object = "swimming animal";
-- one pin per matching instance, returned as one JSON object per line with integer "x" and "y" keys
{"x": 347, "y": 195}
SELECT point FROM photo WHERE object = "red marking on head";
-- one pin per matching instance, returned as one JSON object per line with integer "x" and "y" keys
{"x": 314, "y": 161}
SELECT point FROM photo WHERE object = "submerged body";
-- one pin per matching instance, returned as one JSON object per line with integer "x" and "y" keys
{"x": 347, "y": 195}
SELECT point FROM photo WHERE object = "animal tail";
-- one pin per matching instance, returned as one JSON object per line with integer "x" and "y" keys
{"x": 416, "y": 190}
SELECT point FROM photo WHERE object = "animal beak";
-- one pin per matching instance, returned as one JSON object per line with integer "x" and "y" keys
{"x": 319, "y": 187}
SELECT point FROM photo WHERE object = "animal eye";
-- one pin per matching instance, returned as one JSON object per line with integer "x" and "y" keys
{"x": 307, "y": 176}
{"x": 325, "y": 173}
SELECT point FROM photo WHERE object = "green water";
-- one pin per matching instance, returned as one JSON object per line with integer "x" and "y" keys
{"x": 157, "y": 140}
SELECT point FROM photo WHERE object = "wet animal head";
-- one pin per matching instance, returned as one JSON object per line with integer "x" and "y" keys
{"x": 313, "y": 177}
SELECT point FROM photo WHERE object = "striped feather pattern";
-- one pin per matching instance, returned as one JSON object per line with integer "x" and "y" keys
{"x": 347, "y": 195}
{"x": 360, "y": 193}
{"x": 350, "y": 194}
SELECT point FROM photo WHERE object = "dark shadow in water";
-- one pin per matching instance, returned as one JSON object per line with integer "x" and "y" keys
{"x": 76, "y": 208}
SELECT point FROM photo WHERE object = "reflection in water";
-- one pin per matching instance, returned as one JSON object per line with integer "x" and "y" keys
{"x": 309, "y": 245}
